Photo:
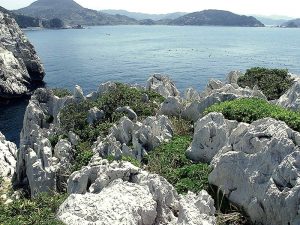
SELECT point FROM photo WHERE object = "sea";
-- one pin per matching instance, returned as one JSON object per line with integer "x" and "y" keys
{"x": 190, "y": 55}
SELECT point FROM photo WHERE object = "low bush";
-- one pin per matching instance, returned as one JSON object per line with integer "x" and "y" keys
{"x": 61, "y": 92}
{"x": 251, "y": 109}
{"x": 37, "y": 211}
{"x": 169, "y": 160}
{"x": 272, "y": 82}
{"x": 82, "y": 155}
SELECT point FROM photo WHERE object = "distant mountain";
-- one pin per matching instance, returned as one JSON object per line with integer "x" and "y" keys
{"x": 144, "y": 16}
{"x": 213, "y": 17}
{"x": 292, "y": 23}
{"x": 274, "y": 20}
{"x": 22, "y": 21}
{"x": 71, "y": 13}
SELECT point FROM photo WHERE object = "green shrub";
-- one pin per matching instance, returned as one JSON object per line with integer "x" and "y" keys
{"x": 169, "y": 160}
{"x": 272, "y": 82}
{"x": 130, "y": 159}
{"x": 181, "y": 126}
{"x": 82, "y": 156}
{"x": 61, "y": 92}
{"x": 38, "y": 211}
{"x": 53, "y": 140}
{"x": 251, "y": 109}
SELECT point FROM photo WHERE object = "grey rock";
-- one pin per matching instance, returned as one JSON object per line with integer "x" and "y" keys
{"x": 106, "y": 87}
{"x": 95, "y": 115}
{"x": 8, "y": 155}
{"x": 233, "y": 76}
{"x": 211, "y": 134}
{"x": 172, "y": 106}
{"x": 162, "y": 85}
{"x": 128, "y": 111}
{"x": 78, "y": 94}
{"x": 291, "y": 99}
{"x": 259, "y": 170}
{"x": 138, "y": 198}
{"x": 20, "y": 66}
{"x": 191, "y": 94}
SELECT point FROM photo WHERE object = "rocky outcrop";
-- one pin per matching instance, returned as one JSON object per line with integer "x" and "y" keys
{"x": 255, "y": 165}
{"x": 210, "y": 136}
{"x": 20, "y": 66}
{"x": 163, "y": 85}
{"x": 193, "y": 105}
{"x": 8, "y": 155}
{"x": 120, "y": 193}
{"x": 291, "y": 99}
{"x": 134, "y": 139}
{"x": 40, "y": 166}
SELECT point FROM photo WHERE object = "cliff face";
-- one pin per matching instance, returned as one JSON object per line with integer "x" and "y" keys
{"x": 20, "y": 67}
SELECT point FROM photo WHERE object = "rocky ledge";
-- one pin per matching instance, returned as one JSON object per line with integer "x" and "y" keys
{"x": 255, "y": 165}
{"x": 20, "y": 67}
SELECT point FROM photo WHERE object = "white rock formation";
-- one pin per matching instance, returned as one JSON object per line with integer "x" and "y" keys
{"x": 39, "y": 166}
{"x": 95, "y": 115}
{"x": 120, "y": 193}
{"x": 211, "y": 134}
{"x": 19, "y": 64}
{"x": 162, "y": 85}
{"x": 78, "y": 94}
{"x": 233, "y": 76}
{"x": 291, "y": 99}
{"x": 135, "y": 139}
{"x": 259, "y": 170}
{"x": 8, "y": 155}
{"x": 128, "y": 111}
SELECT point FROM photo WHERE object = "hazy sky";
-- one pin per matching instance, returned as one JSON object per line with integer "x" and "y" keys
{"x": 263, "y": 7}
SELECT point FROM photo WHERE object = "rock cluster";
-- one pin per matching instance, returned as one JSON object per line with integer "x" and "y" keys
{"x": 120, "y": 193}
{"x": 255, "y": 165}
{"x": 291, "y": 99}
{"x": 163, "y": 85}
{"x": 8, "y": 155}
{"x": 134, "y": 139}
{"x": 20, "y": 66}
{"x": 194, "y": 104}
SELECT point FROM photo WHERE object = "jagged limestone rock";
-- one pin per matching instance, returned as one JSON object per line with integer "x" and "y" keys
{"x": 128, "y": 111}
{"x": 104, "y": 193}
{"x": 291, "y": 99}
{"x": 8, "y": 155}
{"x": 211, "y": 134}
{"x": 259, "y": 170}
{"x": 20, "y": 66}
{"x": 233, "y": 76}
{"x": 135, "y": 139}
{"x": 95, "y": 115}
{"x": 163, "y": 85}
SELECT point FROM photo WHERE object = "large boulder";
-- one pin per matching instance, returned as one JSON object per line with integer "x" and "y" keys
{"x": 20, "y": 66}
{"x": 291, "y": 99}
{"x": 259, "y": 170}
{"x": 8, "y": 155}
{"x": 162, "y": 85}
{"x": 120, "y": 193}
{"x": 210, "y": 136}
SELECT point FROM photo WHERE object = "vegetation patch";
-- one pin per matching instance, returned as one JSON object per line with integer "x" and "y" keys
{"x": 61, "y": 92}
{"x": 37, "y": 211}
{"x": 272, "y": 82}
{"x": 249, "y": 110}
{"x": 169, "y": 160}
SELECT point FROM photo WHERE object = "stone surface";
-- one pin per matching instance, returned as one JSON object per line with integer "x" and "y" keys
{"x": 120, "y": 193}
{"x": 78, "y": 94}
{"x": 8, "y": 155}
{"x": 40, "y": 167}
{"x": 291, "y": 99}
{"x": 259, "y": 170}
{"x": 162, "y": 85}
{"x": 210, "y": 136}
{"x": 95, "y": 115}
{"x": 134, "y": 139}
{"x": 233, "y": 76}
{"x": 128, "y": 111}
{"x": 20, "y": 66}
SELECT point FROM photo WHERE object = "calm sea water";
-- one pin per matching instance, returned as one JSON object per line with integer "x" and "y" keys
{"x": 189, "y": 55}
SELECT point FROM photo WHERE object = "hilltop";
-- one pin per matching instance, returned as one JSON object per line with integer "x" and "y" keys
{"x": 71, "y": 13}
{"x": 292, "y": 23}
{"x": 216, "y": 18}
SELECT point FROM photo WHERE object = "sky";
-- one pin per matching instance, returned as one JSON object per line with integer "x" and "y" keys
{"x": 258, "y": 7}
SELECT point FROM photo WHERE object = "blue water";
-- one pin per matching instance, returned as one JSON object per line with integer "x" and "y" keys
{"x": 189, "y": 55}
